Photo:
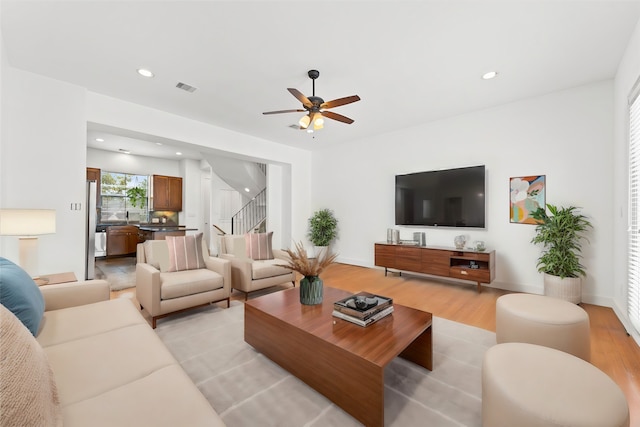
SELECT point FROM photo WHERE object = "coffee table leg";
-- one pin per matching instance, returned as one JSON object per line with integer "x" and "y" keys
{"x": 420, "y": 351}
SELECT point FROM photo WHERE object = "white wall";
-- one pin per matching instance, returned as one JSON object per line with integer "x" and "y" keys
{"x": 130, "y": 163}
{"x": 566, "y": 136}
{"x": 125, "y": 115}
{"x": 43, "y": 163}
{"x": 628, "y": 73}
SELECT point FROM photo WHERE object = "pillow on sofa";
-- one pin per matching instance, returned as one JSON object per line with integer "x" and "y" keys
{"x": 28, "y": 392}
{"x": 185, "y": 252}
{"x": 156, "y": 255}
{"x": 259, "y": 245}
{"x": 20, "y": 295}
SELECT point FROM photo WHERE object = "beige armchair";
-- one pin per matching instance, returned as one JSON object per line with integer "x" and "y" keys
{"x": 162, "y": 292}
{"x": 247, "y": 274}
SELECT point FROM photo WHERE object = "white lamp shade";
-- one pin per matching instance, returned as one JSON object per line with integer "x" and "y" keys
{"x": 27, "y": 222}
{"x": 304, "y": 122}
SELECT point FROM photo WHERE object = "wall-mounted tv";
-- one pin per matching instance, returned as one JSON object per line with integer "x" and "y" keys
{"x": 442, "y": 198}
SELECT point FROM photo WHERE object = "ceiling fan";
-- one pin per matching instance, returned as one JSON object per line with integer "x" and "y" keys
{"x": 316, "y": 107}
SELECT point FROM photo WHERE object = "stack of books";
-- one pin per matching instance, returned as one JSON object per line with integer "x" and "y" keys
{"x": 363, "y": 308}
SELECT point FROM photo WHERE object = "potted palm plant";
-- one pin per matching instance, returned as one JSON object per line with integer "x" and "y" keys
{"x": 323, "y": 229}
{"x": 560, "y": 232}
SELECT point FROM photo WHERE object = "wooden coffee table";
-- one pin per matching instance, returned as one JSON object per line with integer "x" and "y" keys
{"x": 343, "y": 361}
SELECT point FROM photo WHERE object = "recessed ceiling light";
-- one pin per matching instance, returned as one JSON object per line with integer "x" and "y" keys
{"x": 122, "y": 150}
{"x": 178, "y": 153}
{"x": 490, "y": 75}
{"x": 158, "y": 143}
{"x": 246, "y": 189}
{"x": 99, "y": 139}
{"x": 145, "y": 73}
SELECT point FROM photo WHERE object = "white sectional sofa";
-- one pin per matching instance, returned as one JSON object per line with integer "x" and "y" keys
{"x": 109, "y": 367}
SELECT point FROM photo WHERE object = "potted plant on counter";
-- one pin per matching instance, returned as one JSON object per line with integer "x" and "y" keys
{"x": 323, "y": 229}
{"x": 560, "y": 233}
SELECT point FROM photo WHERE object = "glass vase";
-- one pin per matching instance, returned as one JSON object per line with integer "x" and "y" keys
{"x": 311, "y": 290}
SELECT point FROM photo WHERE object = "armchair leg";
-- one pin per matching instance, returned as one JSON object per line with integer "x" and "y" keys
{"x": 228, "y": 302}
{"x": 153, "y": 322}
{"x": 294, "y": 283}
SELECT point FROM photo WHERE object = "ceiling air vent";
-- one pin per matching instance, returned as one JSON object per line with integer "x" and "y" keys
{"x": 186, "y": 87}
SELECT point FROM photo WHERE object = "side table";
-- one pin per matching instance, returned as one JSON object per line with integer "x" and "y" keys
{"x": 52, "y": 279}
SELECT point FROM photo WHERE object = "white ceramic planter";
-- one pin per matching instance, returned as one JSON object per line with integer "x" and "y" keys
{"x": 568, "y": 289}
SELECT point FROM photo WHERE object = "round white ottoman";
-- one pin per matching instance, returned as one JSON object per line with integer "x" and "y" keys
{"x": 528, "y": 385}
{"x": 542, "y": 320}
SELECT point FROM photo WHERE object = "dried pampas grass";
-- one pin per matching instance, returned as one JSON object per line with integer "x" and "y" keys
{"x": 300, "y": 262}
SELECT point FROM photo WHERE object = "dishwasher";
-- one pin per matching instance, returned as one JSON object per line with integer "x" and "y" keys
{"x": 101, "y": 243}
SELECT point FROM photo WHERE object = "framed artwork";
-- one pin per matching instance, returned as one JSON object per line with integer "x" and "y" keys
{"x": 527, "y": 195}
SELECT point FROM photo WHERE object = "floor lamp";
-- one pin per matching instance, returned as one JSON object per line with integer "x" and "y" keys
{"x": 27, "y": 224}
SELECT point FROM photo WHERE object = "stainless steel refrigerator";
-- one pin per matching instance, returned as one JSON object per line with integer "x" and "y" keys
{"x": 90, "y": 244}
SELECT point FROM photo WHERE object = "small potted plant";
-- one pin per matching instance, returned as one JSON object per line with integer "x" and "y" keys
{"x": 310, "y": 268}
{"x": 560, "y": 233}
{"x": 323, "y": 229}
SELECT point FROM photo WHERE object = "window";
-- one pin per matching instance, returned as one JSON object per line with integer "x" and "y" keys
{"x": 634, "y": 208}
{"x": 125, "y": 197}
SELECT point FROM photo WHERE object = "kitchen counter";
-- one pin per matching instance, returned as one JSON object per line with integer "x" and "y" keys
{"x": 164, "y": 227}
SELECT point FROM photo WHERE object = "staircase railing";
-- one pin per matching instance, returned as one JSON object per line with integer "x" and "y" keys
{"x": 251, "y": 214}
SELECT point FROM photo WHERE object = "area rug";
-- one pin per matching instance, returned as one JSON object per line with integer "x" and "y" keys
{"x": 247, "y": 389}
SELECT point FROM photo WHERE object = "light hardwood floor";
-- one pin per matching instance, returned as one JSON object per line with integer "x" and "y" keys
{"x": 613, "y": 351}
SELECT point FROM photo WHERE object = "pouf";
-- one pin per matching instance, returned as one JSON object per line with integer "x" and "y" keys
{"x": 528, "y": 385}
{"x": 543, "y": 320}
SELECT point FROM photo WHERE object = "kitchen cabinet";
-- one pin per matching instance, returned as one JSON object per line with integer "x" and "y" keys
{"x": 122, "y": 239}
{"x": 167, "y": 193}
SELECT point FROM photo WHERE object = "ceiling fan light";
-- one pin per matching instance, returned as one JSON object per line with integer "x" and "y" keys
{"x": 304, "y": 122}
{"x": 318, "y": 122}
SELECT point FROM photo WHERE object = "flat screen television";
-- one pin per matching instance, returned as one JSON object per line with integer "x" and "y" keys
{"x": 442, "y": 198}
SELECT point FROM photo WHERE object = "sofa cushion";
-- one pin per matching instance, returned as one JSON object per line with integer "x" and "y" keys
{"x": 69, "y": 324}
{"x": 166, "y": 397}
{"x": 185, "y": 252}
{"x": 234, "y": 245}
{"x": 28, "y": 392}
{"x": 20, "y": 295}
{"x": 156, "y": 254}
{"x": 259, "y": 245}
{"x": 268, "y": 268}
{"x": 182, "y": 283}
{"x": 90, "y": 366}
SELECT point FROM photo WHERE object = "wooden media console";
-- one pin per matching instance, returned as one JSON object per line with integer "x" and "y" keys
{"x": 462, "y": 264}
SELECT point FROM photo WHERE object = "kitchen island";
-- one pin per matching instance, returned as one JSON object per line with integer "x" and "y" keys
{"x": 159, "y": 232}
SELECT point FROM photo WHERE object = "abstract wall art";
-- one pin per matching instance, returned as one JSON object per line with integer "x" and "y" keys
{"x": 527, "y": 195}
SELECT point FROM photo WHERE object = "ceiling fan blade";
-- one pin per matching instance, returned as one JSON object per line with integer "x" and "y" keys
{"x": 340, "y": 101}
{"x": 305, "y": 101}
{"x": 338, "y": 117}
{"x": 283, "y": 111}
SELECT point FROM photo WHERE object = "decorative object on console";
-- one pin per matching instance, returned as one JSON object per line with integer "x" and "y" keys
{"x": 27, "y": 224}
{"x": 527, "y": 195}
{"x": 479, "y": 246}
{"x": 310, "y": 268}
{"x": 460, "y": 241}
{"x": 560, "y": 234}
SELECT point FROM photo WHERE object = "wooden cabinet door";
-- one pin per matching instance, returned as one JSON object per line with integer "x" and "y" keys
{"x": 160, "y": 193}
{"x": 385, "y": 255}
{"x": 121, "y": 240}
{"x": 167, "y": 193}
{"x": 408, "y": 258}
{"x": 436, "y": 262}
{"x": 175, "y": 194}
